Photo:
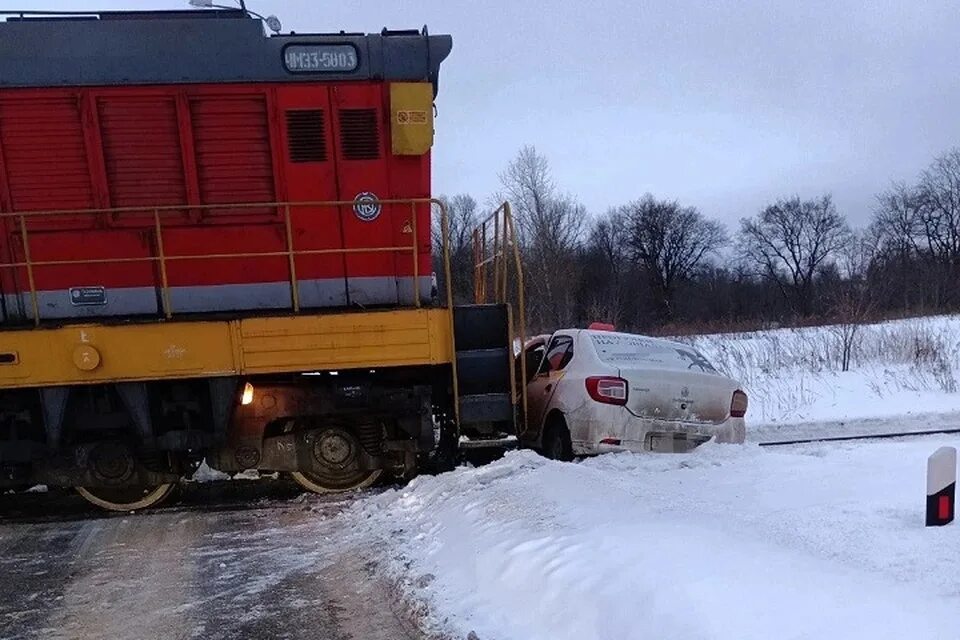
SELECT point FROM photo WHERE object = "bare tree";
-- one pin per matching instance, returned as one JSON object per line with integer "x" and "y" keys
{"x": 939, "y": 192}
{"x": 853, "y": 301}
{"x": 939, "y": 196}
{"x": 605, "y": 263}
{"x": 897, "y": 229}
{"x": 897, "y": 219}
{"x": 551, "y": 227}
{"x": 669, "y": 242}
{"x": 462, "y": 218}
{"x": 790, "y": 242}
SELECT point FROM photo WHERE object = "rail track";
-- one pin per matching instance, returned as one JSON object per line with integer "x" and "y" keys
{"x": 64, "y": 505}
{"x": 220, "y": 496}
{"x": 867, "y": 436}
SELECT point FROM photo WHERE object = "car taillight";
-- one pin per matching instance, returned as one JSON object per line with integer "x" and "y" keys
{"x": 738, "y": 404}
{"x": 607, "y": 389}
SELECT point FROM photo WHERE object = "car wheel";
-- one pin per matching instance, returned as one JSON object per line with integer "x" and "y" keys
{"x": 556, "y": 441}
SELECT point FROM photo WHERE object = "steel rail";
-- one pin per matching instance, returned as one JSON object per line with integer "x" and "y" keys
{"x": 868, "y": 436}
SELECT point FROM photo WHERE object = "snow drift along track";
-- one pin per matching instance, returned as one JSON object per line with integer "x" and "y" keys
{"x": 725, "y": 543}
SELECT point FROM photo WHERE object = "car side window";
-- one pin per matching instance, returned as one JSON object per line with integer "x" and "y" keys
{"x": 534, "y": 357}
{"x": 559, "y": 354}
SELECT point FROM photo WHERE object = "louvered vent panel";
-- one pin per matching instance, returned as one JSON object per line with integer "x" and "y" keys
{"x": 305, "y": 133}
{"x": 359, "y": 134}
{"x": 141, "y": 151}
{"x": 233, "y": 149}
{"x": 46, "y": 160}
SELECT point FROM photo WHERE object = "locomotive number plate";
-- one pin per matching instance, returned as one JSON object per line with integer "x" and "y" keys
{"x": 320, "y": 58}
{"x": 86, "y": 296}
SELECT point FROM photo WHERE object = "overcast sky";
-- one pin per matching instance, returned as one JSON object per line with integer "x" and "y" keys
{"x": 722, "y": 105}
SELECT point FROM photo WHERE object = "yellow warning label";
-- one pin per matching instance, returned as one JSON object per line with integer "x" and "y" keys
{"x": 411, "y": 117}
{"x": 411, "y": 113}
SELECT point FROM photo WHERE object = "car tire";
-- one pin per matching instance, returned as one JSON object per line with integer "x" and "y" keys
{"x": 556, "y": 441}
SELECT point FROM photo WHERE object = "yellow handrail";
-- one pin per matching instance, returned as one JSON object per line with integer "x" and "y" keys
{"x": 163, "y": 259}
{"x": 291, "y": 260}
{"x": 504, "y": 249}
{"x": 416, "y": 255}
{"x": 445, "y": 232}
{"x": 165, "y": 293}
{"x": 30, "y": 278}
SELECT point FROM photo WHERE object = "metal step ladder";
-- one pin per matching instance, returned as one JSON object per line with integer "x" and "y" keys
{"x": 485, "y": 376}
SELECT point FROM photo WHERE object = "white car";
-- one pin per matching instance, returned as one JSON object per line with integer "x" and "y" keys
{"x": 594, "y": 391}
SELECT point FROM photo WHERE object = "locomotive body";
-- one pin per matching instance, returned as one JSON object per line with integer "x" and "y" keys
{"x": 211, "y": 122}
{"x": 217, "y": 245}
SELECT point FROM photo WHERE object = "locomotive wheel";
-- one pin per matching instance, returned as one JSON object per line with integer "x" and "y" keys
{"x": 336, "y": 458}
{"x": 127, "y": 498}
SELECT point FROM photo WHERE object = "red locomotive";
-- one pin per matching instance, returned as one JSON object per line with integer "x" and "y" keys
{"x": 217, "y": 245}
{"x": 198, "y": 119}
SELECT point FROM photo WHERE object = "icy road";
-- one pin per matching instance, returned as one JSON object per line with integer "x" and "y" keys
{"x": 264, "y": 571}
{"x": 728, "y": 542}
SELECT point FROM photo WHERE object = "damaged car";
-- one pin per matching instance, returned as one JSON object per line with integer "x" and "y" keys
{"x": 592, "y": 391}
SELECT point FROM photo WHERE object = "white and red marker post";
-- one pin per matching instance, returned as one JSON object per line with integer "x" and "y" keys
{"x": 941, "y": 486}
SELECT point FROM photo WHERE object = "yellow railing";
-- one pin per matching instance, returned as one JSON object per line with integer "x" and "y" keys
{"x": 162, "y": 259}
{"x": 496, "y": 253}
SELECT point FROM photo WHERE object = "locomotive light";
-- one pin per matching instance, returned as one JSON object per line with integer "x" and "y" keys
{"x": 247, "y": 397}
{"x": 273, "y": 23}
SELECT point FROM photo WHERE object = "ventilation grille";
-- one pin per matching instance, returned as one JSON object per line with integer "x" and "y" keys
{"x": 306, "y": 136}
{"x": 45, "y": 154}
{"x": 359, "y": 134}
{"x": 232, "y": 144}
{"x": 141, "y": 150}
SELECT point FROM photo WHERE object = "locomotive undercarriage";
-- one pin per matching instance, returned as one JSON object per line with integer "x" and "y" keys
{"x": 126, "y": 446}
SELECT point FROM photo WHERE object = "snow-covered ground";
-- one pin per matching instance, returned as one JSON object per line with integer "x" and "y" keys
{"x": 818, "y": 541}
{"x": 899, "y": 368}
{"x": 727, "y": 542}
{"x": 738, "y": 542}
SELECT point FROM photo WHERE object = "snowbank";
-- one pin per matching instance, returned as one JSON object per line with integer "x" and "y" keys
{"x": 727, "y": 542}
{"x": 899, "y": 368}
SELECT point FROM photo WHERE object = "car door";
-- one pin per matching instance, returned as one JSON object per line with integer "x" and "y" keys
{"x": 528, "y": 362}
{"x": 542, "y": 388}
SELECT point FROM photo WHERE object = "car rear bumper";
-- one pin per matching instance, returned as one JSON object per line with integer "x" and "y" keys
{"x": 610, "y": 429}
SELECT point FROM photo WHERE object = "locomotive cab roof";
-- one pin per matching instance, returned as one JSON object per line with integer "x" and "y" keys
{"x": 200, "y": 46}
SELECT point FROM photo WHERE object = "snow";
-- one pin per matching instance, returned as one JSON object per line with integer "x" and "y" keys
{"x": 899, "y": 368}
{"x": 726, "y": 542}
{"x": 738, "y": 542}
{"x": 206, "y": 473}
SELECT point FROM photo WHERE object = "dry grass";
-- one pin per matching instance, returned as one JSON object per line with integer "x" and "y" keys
{"x": 787, "y": 369}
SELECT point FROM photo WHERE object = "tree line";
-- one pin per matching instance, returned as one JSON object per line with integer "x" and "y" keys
{"x": 657, "y": 264}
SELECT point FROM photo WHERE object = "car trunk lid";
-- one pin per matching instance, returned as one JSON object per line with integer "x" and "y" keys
{"x": 666, "y": 380}
{"x": 687, "y": 396}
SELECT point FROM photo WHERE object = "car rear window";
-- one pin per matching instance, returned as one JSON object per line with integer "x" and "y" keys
{"x": 626, "y": 350}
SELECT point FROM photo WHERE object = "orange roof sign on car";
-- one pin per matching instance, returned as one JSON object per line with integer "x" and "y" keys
{"x": 601, "y": 326}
